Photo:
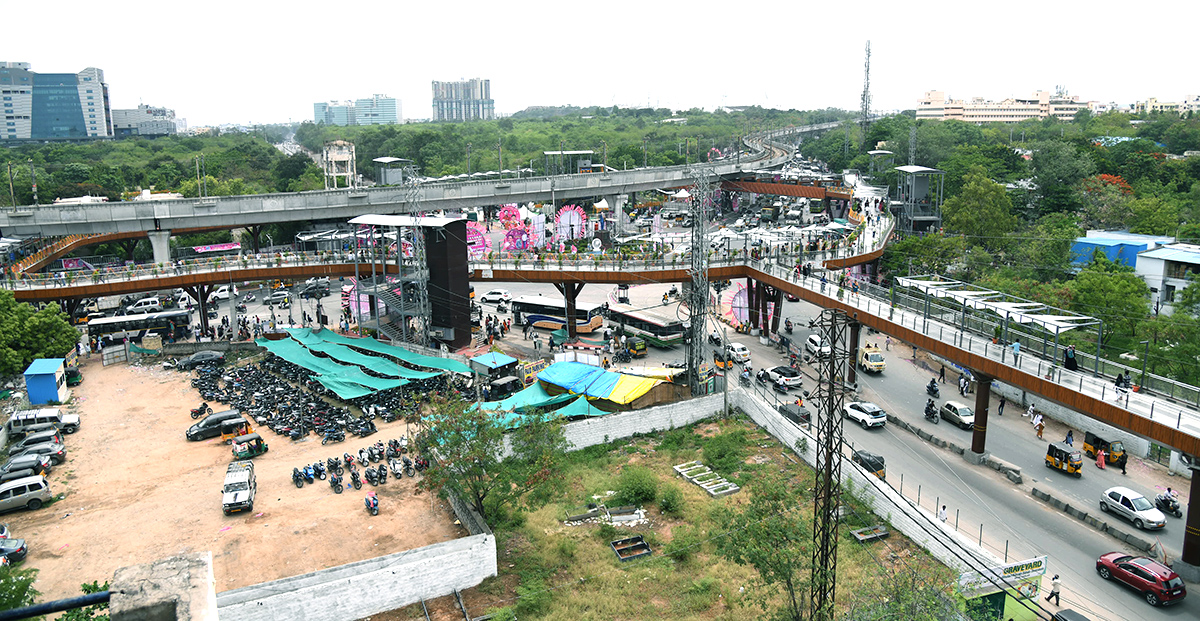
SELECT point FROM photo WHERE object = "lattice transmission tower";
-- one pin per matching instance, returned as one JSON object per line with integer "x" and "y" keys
{"x": 829, "y": 397}
{"x": 418, "y": 270}
{"x": 865, "y": 119}
{"x": 697, "y": 296}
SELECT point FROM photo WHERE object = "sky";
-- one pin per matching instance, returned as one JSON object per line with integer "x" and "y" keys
{"x": 218, "y": 61}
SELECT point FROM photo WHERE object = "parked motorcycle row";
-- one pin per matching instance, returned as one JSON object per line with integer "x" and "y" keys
{"x": 371, "y": 464}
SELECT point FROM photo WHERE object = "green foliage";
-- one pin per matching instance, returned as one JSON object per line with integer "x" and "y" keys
{"x": 637, "y": 486}
{"x": 982, "y": 211}
{"x": 607, "y": 533}
{"x": 685, "y": 543}
{"x": 671, "y": 500}
{"x": 16, "y": 587}
{"x": 725, "y": 452}
{"x": 932, "y": 253}
{"x": 1154, "y": 216}
{"x": 27, "y": 334}
{"x": 677, "y": 439}
{"x": 1057, "y": 168}
{"x": 533, "y": 598}
{"x": 1111, "y": 292}
{"x": 97, "y": 612}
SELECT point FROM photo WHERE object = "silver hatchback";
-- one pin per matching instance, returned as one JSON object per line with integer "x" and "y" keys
{"x": 1133, "y": 507}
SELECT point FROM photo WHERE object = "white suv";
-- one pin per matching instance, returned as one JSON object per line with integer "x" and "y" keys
{"x": 739, "y": 353}
{"x": 865, "y": 413}
{"x": 1133, "y": 507}
{"x": 784, "y": 375}
{"x": 817, "y": 346}
{"x": 496, "y": 295}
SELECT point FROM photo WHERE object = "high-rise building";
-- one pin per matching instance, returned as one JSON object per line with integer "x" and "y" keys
{"x": 378, "y": 110}
{"x": 468, "y": 100}
{"x": 144, "y": 121}
{"x": 1042, "y": 104}
{"x": 47, "y": 106}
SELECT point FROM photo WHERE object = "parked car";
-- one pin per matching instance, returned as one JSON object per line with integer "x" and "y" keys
{"x": 817, "y": 346}
{"x": 26, "y": 422}
{"x": 497, "y": 295}
{"x": 1133, "y": 507}
{"x": 1157, "y": 583}
{"x": 29, "y": 493}
{"x": 958, "y": 413}
{"x": 314, "y": 290}
{"x": 36, "y": 464}
{"x": 210, "y": 426}
{"x": 784, "y": 375}
{"x": 49, "y": 436}
{"x": 56, "y": 452}
{"x": 13, "y": 550}
{"x": 865, "y": 413}
{"x": 201, "y": 358}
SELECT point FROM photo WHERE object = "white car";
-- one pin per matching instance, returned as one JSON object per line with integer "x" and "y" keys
{"x": 496, "y": 295}
{"x": 865, "y": 413}
{"x": 817, "y": 346}
{"x": 784, "y": 375}
{"x": 1133, "y": 507}
{"x": 277, "y": 297}
{"x": 958, "y": 413}
{"x": 223, "y": 292}
{"x": 739, "y": 353}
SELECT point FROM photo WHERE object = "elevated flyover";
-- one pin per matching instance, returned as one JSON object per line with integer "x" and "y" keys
{"x": 344, "y": 204}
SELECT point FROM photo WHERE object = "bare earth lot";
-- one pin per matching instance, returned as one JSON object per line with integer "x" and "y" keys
{"x": 137, "y": 491}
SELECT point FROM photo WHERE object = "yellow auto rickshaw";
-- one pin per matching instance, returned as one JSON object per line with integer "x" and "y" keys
{"x": 870, "y": 462}
{"x": 636, "y": 347}
{"x": 235, "y": 427}
{"x": 1064, "y": 457}
{"x": 721, "y": 360}
{"x": 1093, "y": 443}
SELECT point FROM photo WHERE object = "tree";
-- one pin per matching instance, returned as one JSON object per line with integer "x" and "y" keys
{"x": 928, "y": 254}
{"x": 27, "y": 334}
{"x": 982, "y": 211}
{"x": 95, "y": 612}
{"x": 1107, "y": 202}
{"x": 772, "y": 535}
{"x": 1154, "y": 216}
{"x": 1111, "y": 292}
{"x": 1057, "y": 168}
{"x": 469, "y": 444}
{"x": 16, "y": 587}
{"x": 1049, "y": 245}
{"x": 1188, "y": 299}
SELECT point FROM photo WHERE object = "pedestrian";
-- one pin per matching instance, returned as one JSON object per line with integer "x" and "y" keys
{"x": 962, "y": 385}
{"x": 1000, "y": 408}
{"x": 1121, "y": 461}
{"x": 1070, "y": 437}
{"x": 1036, "y": 420}
{"x": 887, "y": 344}
{"x": 941, "y": 373}
{"x": 1029, "y": 412}
{"x": 1100, "y": 459}
{"x": 1016, "y": 347}
{"x": 942, "y": 514}
{"x": 1055, "y": 587}
{"x": 1040, "y": 426}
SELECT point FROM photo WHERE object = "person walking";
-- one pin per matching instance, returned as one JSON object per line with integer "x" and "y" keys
{"x": 942, "y": 375}
{"x": 1000, "y": 408}
{"x": 1029, "y": 412}
{"x": 942, "y": 514}
{"x": 887, "y": 344}
{"x": 1121, "y": 461}
{"x": 1100, "y": 459}
{"x": 1070, "y": 437}
{"x": 1040, "y": 427}
{"x": 1016, "y": 347}
{"x": 1055, "y": 588}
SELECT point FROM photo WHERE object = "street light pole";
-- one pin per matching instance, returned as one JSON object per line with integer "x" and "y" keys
{"x": 1144, "y": 358}
{"x": 468, "y": 158}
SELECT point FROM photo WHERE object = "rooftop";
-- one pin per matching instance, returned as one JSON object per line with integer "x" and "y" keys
{"x": 1184, "y": 253}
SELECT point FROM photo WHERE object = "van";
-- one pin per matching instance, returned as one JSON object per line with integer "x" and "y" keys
{"x": 29, "y": 493}
{"x": 240, "y": 487}
{"x": 210, "y": 426}
{"x": 26, "y": 422}
{"x": 145, "y": 305}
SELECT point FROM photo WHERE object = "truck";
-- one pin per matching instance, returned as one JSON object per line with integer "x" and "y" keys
{"x": 240, "y": 487}
{"x": 870, "y": 358}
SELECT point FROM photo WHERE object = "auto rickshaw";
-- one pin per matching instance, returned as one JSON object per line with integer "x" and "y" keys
{"x": 1064, "y": 457}
{"x": 235, "y": 427}
{"x": 721, "y": 360}
{"x": 249, "y": 445}
{"x": 871, "y": 462}
{"x": 636, "y": 347}
{"x": 1112, "y": 450}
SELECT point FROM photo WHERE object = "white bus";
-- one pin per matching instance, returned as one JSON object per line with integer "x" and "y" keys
{"x": 110, "y": 330}
{"x": 550, "y": 313}
{"x": 657, "y": 325}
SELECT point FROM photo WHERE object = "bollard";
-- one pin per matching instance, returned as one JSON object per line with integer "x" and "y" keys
{"x": 902, "y": 474}
{"x": 981, "y": 535}
{"x": 1005, "y": 550}
{"x": 918, "y": 495}
{"x": 956, "y": 511}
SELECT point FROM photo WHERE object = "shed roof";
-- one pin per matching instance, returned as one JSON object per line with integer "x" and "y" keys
{"x": 917, "y": 170}
{"x": 493, "y": 360}
{"x": 42, "y": 366}
{"x": 1184, "y": 253}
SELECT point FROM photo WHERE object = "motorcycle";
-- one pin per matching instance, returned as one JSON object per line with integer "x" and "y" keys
{"x": 334, "y": 435}
{"x": 383, "y": 472}
{"x": 397, "y": 468}
{"x": 336, "y": 483}
{"x": 714, "y": 339}
{"x": 203, "y": 410}
{"x": 364, "y": 457}
{"x": 931, "y": 412}
{"x": 371, "y": 476}
{"x": 297, "y": 477}
{"x": 308, "y": 473}
{"x": 781, "y": 387}
{"x": 787, "y": 326}
{"x": 502, "y": 307}
{"x": 319, "y": 469}
{"x": 334, "y": 464}
{"x": 933, "y": 390}
{"x": 372, "y": 502}
{"x": 421, "y": 464}
{"x": 1168, "y": 503}
{"x": 408, "y": 467}
{"x": 249, "y": 297}
{"x": 355, "y": 480}
{"x": 744, "y": 379}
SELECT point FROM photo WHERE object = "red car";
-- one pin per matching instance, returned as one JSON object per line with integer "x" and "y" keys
{"x": 1155, "y": 581}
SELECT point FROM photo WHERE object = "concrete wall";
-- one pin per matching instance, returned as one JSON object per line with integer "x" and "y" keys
{"x": 357, "y": 590}
{"x": 585, "y": 433}
{"x": 898, "y": 512}
{"x": 191, "y": 347}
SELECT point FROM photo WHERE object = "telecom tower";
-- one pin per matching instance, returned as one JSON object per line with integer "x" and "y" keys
{"x": 697, "y": 295}
{"x": 829, "y": 396}
{"x": 865, "y": 119}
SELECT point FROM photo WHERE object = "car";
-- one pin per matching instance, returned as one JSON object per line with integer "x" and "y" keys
{"x": 277, "y": 297}
{"x": 497, "y": 295}
{"x": 13, "y": 550}
{"x": 314, "y": 290}
{"x": 50, "y": 436}
{"x": 738, "y": 352}
{"x": 871, "y": 359}
{"x": 205, "y": 357}
{"x": 958, "y": 413}
{"x": 322, "y": 280}
{"x": 5, "y": 533}
{"x": 1158, "y": 584}
{"x": 38, "y": 464}
{"x": 865, "y": 413}
{"x": 817, "y": 346}
{"x": 56, "y": 452}
{"x": 222, "y": 292}
{"x": 789, "y": 297}
{"x": 784, "y": 375}
{"x": 1133, "y": 507}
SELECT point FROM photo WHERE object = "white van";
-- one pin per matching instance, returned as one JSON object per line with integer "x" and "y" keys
{"x": 144, "y": 305}
{"x": 29, "y": 492}
{"x": 224, "y": 292}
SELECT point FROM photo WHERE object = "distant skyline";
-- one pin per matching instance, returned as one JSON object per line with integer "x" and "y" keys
{"x": 236, "y": 62}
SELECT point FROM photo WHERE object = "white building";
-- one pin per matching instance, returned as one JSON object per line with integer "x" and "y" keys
{"x": 49, "y": 106}
{"x": 1165, "y": 270}
{"x": 935, "y": 105}
{"x": 144, "y": 121}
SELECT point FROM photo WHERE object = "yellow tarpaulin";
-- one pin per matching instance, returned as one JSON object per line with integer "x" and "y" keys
{"x": 629, "y": 388}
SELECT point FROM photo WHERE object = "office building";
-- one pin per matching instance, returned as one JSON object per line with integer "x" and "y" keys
{"x": 378, "y": 110}
{"x": 1042, "y": 104}
{"x": 1166, "y": 270}
{"x": 49, "y": 106}
{"x": 145, "y": 121}
{"x": 468, "y": 100}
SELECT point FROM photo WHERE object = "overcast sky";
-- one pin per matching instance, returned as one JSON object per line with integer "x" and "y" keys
{"x": 218, "y": 61}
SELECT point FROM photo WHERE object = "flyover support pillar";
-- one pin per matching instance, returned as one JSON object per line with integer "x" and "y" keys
{"x": 1188, "y": 565}
{"x": 983, "y": 394}
{"x": 852, "y": 367}
{"x": 570, "y": 291}
{"x": 751, "y": 304}
{"x": 160, "y": 243}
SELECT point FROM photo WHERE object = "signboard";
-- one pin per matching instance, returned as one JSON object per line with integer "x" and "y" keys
{"x": 217, "y": 247}
{"x": 532, "y": 369}
{"x": 974, "y": 584}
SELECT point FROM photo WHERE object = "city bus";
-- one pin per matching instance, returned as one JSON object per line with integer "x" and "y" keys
{"x": 549, "y": 313}
{"x": 110, "y": 330}
{"x": 657, "y": 325}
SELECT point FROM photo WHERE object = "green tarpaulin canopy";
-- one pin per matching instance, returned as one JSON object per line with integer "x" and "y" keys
{"x": 412, "y": 358}
{"x": 332, "y": 375}
{"x": 341, "y": 353}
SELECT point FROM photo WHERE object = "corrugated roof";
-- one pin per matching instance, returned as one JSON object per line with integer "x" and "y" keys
{"x": 917, "y": 169}
{"x": 42, "y": 366}
{"x": 385, "y": 220}
{"x": 1184, "y": 253}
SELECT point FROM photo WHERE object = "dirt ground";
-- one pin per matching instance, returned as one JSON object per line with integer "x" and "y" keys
{"x": 137, "y": 491}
